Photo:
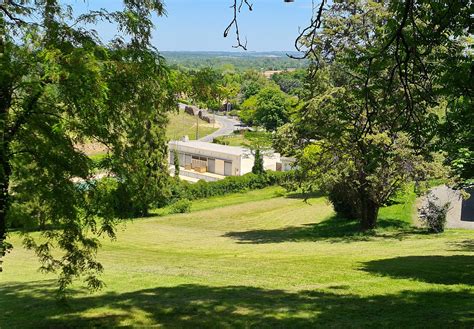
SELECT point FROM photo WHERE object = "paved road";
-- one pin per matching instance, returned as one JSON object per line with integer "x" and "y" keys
{"x": 227, "y": 127}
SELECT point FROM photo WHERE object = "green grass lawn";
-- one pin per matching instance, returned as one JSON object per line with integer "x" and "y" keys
{"x": 184, "y": 124}
{"x": 244, "y": 139}
{"x": 263, "y": 260}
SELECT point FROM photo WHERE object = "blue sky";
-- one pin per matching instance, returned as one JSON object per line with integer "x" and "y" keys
{"x": 199, "y": 24}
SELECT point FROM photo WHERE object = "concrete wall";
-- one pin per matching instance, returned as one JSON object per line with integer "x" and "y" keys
{"x": 454, "y": 197}
{"x": 246, "y": 164}
{"x": 270, "y": 161}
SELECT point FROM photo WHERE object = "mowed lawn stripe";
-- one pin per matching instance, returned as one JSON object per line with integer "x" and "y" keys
{"x": 260, "y": 260}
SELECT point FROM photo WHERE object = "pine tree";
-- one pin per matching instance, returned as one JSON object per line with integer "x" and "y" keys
{"x": 176, "y": 163}
{"x": 258, "y": 168}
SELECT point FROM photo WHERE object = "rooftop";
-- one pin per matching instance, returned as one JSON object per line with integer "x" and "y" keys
{"x": 234, "y": 150}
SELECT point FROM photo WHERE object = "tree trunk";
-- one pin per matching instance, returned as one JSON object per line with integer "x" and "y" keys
{"x": 3, "y": 215}
{"x": 5, "y": 168}
{"x": 369, "y": 213}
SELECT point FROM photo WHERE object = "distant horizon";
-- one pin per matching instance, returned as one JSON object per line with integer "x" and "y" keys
{"x": 230, "y": 51}
{"x": 192, "y": 26}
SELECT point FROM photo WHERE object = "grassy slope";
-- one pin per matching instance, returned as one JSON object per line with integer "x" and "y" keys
{"x": 184, "y": 124}
{"x": 257, "y": 260}
{"x": 180, "y": 124}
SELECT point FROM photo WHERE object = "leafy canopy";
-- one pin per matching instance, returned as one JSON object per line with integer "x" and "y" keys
{"x": 61, "y": 86}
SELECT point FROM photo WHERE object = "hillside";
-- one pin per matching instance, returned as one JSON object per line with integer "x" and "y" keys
{"x": 259, "y": 259}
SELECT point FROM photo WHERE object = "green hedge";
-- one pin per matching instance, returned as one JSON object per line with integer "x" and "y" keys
{"x": 232, "y": 184}
{"x": 116, "y": 200}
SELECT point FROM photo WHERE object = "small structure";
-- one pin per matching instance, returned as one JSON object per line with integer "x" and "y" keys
{"x": 191, "y": 110}
{"x": 194, "y": 111}
{"x": 205, "y": 117}
{"x": 460, "y": 212}
{"x": 226, "y": 107}
{"x": 211, "y": 161}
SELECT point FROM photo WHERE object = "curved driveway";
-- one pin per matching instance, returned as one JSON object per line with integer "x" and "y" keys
{"x": 227, "y": 127}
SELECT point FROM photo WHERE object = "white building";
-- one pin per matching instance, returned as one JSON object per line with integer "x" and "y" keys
{"x": 209, "y": 161}
{"x": 287, "y": 163}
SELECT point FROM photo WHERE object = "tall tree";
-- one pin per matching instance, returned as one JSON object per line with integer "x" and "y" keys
{"x": 206, "y": 87}
{"x": 427, "y": 49}
{"x": 273, "y": 108}
{"x": 60, "y": 86}
{"x": 373, "y": 121}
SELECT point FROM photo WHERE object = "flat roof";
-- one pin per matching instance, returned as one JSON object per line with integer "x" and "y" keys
{"x": 234, "y": 150}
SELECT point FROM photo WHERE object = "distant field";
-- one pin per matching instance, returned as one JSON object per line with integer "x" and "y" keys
{"x": 184, "y": 124}
{"x": 259, "y": 260}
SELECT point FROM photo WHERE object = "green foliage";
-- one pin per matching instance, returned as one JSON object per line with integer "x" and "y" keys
{"x": 433, "y": 214}
{"x": 344, "y": 200}
{"x": 286, "y": 140}
{"x": 291, "y": 82}
{"x": 269, "y": 108}
{"x": 180, "y": 207}
{"x": 272, "y": 108}
{"x": 60, "y": 85}
{"x": 258, "y": 168}
{"x": 457, "y": 136}
{"x": 247, "y": 110}
{"x": 206, "y": 87}
{"x": 242, "y": 61}
{"x": 114, "y": 200}
{"x": 176, "y": 163}
{"x": 252, "y": 83}
{"x": 231, "y": 184}
{"x": 366, "y": 125}
{"x": 221, "y": 140}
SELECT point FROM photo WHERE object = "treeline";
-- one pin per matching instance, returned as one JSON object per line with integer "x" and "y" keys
{"x": 241, "y": 61}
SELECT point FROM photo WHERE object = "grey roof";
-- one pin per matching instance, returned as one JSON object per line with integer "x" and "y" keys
{"x": 205, "y": 146}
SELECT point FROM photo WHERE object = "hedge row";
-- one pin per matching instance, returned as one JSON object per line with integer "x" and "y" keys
{"x": 232, "y": 184}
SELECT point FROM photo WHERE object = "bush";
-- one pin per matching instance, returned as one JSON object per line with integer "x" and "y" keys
{"x": 343, "y": 201}
{"x": 112, "y": 197}
{"x": 180, "y": 207}
{"x": 433, "y": 214}
{"x": 233, "y": 184}
{"x": 234, "y": 113}
{"x": 221, "y": 141}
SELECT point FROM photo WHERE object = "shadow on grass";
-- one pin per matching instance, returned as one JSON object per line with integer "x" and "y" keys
{"x": 466, "y": 245}
{"x": 304, "y": 196}
{"x": 449, "y": 270}
{"x": 333, "y": 229}
{"x": 199, "y": 306}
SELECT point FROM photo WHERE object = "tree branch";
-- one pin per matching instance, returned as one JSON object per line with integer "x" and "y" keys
{"x": 237, "y": 7}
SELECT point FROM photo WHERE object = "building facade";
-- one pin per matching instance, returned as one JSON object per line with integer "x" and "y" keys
{"x": 209, "y": 161}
